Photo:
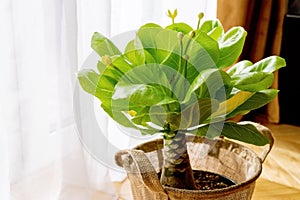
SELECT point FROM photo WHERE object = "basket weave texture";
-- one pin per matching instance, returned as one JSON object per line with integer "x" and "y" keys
{"x": 232, "y": 160}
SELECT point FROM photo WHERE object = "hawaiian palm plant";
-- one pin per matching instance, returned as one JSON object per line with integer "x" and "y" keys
{"x": 174, "y": 81}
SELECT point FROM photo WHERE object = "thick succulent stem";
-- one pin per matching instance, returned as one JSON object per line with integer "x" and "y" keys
{"x": 177, "y": 171}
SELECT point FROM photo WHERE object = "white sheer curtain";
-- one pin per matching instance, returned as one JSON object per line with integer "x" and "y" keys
{"x": 43, "y": 44}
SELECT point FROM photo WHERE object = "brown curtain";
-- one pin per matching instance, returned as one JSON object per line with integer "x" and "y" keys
{"x": 263, "y": 21}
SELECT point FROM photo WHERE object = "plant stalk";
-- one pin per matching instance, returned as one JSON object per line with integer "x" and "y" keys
{"x": 177, "y": 171}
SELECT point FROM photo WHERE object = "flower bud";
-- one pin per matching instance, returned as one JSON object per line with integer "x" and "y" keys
{"x": 200, "y": 15}
{"x": 106, "y": 60}
{"x": 192, "y": 34}
{"x": 132, "y": 113}
{"x": 180, "y": 35}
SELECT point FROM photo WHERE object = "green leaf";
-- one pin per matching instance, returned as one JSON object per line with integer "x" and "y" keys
{"x": 151, "y": 25}
{"x": 198, "y": 112}
{"x": 134, "y": 52}
{"x": 142, "y": 95}
{"x": 253, "y": 81}
{"x": 118, "y": 116}
{"x": 216, "y": 33}
{"x": 231, "y": 45}
{"x": 167, "y": 42}
{"x": 154, "y": 114}
{"x": 180, "y": 27}
{"x": 121, "y": 64}
{"x": 107, "y": 81}
{"x": 256, "y": 101}
{"x": 149, "y": 59}
{"x": 268, "y": 65}
{"x": 172, "y": 62}
{"x": 146, "y": 74}
{"x": 209, "y": 83}
{"x": 88, "y": 80}
{"x": 110, "y": 77}
{"x": 129, "y": 52}
{"x": 212, "y": 28}
{"x": 101, "y": 67}
{"x": 142, "y": 86}
{"x": 231, "y": 104}
{"x": 103, "y": 46}
{"x": 147, "y": 34}
{"x": 121, "y": 118}
{"x": 203, "y": 53}
{"x": 245, "y": 133}
{"x": 239, "y": 67}
{"x": 176, "y": 76}
{"x": 113, "y": 72}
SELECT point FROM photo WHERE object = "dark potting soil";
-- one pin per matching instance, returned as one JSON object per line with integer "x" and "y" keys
{"x": 210, "y": 181}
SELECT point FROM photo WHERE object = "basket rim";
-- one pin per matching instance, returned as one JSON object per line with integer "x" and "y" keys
{"x": 158, "y": 142}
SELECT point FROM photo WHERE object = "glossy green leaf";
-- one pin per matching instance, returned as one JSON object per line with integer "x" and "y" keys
{"x": 231, "y": 45}
{"x": 124, "y": 120}
{"x": 135, "y": 53}
{"x": 110, "y": 77}
{"x": 208, "y": 84}
{"x": 268, "y": 65}
{"x": 154, "y": 114}
{"x": 142, "y": 86}
{"x": 166, "y": 42}
{"x": 256, "y": 101}
{"x": 203, "y": 53}
{"x": 212, "y": 28}
{"x": 103, "y": 46}
{"x": 196, "y": 113}
{"x": 252, "y": 81}
{"x": 88, "y": 80}
{"x": 239, "y": 67}
{"x": 151, "y": 25}
{"x": 180, "y": 27}
{"x": 231, "y": 104}
{"x": 101, "y": 67}
{"x": 147, "y": 35}
{"x": 245, "y": 133}
{"x": 142, "y": 95}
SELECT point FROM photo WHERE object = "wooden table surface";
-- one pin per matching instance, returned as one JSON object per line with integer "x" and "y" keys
{"x": 267, "y": 190}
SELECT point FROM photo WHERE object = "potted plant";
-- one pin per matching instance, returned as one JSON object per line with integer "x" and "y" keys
{"x": 179, "y": 81}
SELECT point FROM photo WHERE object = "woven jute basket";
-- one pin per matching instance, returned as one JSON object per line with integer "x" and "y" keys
{"x": 233, "y": 160}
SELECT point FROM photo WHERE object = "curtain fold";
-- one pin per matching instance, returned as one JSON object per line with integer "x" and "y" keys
{"x": 41, "y": 152}
{"x": 263, "y": 20}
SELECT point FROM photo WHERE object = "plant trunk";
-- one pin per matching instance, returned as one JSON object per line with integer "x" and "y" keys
{"x": 177, "y": 171}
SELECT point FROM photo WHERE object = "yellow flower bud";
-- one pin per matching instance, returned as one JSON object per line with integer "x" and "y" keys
{"x": 106, "y": 60}
{"x": 132, "y": 113}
